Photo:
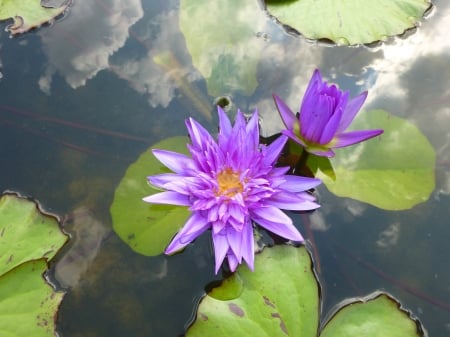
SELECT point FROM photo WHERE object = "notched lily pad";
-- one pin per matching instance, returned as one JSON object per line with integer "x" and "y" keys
{"x": 377, "y": 314}
{"x": 26, "y": 233}
{"x": 281, "y": 298}
{"x": 28, "y": 239}
{"x": 349, "y": 22}
{"x": 28, "y": 304}
{"x": 28, "y": 14}
{"x": 147, "y": 228}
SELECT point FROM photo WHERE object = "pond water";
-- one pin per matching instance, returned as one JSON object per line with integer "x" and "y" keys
{"x": 82, "y": 99}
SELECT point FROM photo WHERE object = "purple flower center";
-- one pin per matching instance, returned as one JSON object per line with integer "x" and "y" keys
{"x": 229, "y": 183}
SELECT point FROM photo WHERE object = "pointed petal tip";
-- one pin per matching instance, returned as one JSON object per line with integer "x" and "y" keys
{"x": 355, "y": 137}
{"x": 286, "y": 114}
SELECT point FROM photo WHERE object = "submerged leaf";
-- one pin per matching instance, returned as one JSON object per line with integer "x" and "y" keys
{"x": 147, "y": 228}
{"x": 349, "y": 21}
{"x": 27, "y": 14}
{"x": 393, "y": 172}
{"x": 221, "y": 38}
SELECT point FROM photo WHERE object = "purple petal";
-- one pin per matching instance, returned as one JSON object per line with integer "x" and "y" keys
{"x": 314, "y": 117}
{"x": 321, "y": 152}
{"x": 182, "y": 185}
{"x": 291, "y": 201}
{"x": 298, "y": 184}
{"x": 168, "y": 197}
{"x": 353, "y": 137}
{"x": 247, "y": 249}
{"x": 270, "y": 213}
{"x": 234, "y": 240}
{"x": 176, "y": 162}
{"x": 233, "y": 261}
{"x": 239, "y": 123}
{"x": 314, "y": 84}
{"x": 221, "y": 248}
{"x": 272, "y": 151}
{"x": 288, "y": 117}
{"x": 294, "y": 137}
{"x": 224, "y": 125}
{"x": 200, "y": 137}
{"x": 282, "y": 226}
{"x": 352, "y": 108}
{"x": 193, "y": 227}
{"x": 252, "y": 130}
{"x": 334, "y": 122}
{"x": 160, "y": 180}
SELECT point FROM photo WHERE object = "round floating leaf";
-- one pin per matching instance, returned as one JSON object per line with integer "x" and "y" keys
{"x": 145, "y": 227}
{"x": 28, "y": 304}
{"x": 394, "y": 171}
{"x": 349, "y": 21}
{"x": 220, "y": 36}
{"x": 280, "y": 298}
{"x": 26, "y": 233}
{"x": 379, "y": 316}
{"x": 27, "y": 14}
{"x": 28, "y": 238}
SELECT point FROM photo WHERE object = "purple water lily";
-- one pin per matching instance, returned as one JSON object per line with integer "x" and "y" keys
{"x": 325, "y": 113}
{"x": 228, "y": 185}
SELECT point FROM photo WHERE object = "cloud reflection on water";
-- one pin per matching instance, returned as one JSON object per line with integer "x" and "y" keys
{"x": 81, "y": 45}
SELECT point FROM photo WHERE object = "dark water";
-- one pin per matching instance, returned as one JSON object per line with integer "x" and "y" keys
{"x": 81, "y": 100}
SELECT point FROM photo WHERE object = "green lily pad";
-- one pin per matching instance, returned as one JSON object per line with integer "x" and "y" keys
{"x": 28, "y": 304}
{"x": 27, "y": 14}
{"x": 349, "y": 22}
{"x": 26, "y": 233}
{"x": 221, "y": 38}
{"x": 394, "y": 171}
{"x": 281, "y": 298}
{"x": 147, "y": 228}
{"x": 28, "y": 239}
{"x": 372, "y": 317}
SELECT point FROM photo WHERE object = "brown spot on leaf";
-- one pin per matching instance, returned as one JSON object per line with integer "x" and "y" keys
{"x": 268, "y": 302}
{"x": 235, "y": 309}
{"x": 203, "y": 317}
{"x": 282, "y": 325}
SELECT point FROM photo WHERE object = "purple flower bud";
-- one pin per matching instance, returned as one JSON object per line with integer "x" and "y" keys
{"x": 325, "y": 113}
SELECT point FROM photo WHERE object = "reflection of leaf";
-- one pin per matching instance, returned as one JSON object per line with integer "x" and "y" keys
{"x": 349, "y": 21}
{"x": 394, "y": 171}
{"x": 28, "y": 238}
{"x": 220, "y": 36}
{"x": 27, "y": 14}
{"x": 281, "y": 298}
{"x": 146, "y": 228}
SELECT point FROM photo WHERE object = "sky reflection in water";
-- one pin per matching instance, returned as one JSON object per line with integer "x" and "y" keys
{"x": 95, "y": 67}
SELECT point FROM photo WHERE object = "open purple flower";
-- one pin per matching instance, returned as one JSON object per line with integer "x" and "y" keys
{"x": 228, "y": 185}
{"x": 325, "y": 114}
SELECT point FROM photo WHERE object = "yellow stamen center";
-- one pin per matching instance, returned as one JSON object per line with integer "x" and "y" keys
{"x": 229, "y": 183}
